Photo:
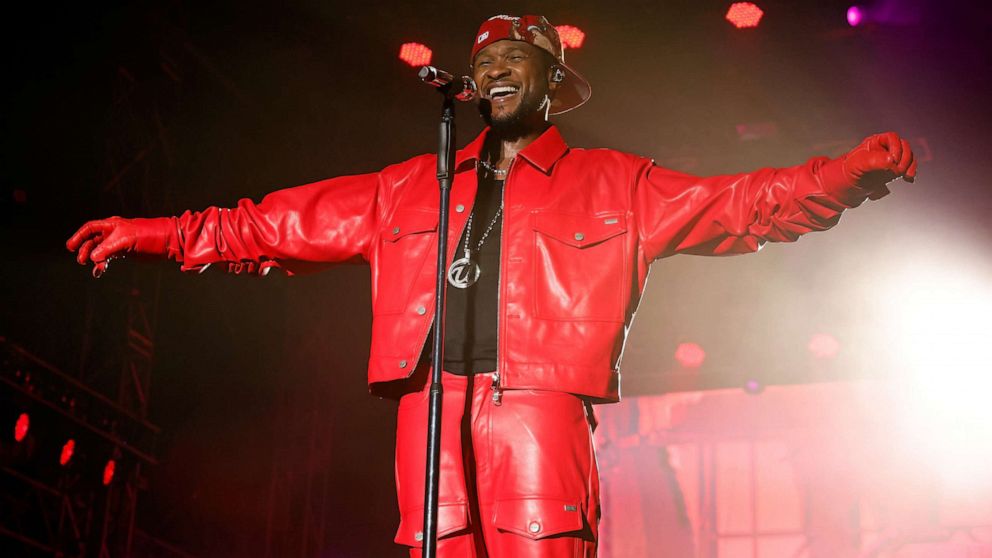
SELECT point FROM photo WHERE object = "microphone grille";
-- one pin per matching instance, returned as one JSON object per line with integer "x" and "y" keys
{"x": 427, "y": 73}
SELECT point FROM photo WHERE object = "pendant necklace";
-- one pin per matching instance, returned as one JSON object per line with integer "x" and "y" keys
{"x": 464, "y": 272}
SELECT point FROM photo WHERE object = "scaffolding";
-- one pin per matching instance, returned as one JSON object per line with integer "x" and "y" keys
{"x": 73, "y": 509}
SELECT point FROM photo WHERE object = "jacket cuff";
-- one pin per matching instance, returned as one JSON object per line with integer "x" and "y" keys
{"x": 157, "y": 237}
{"x": 841, "y": 186}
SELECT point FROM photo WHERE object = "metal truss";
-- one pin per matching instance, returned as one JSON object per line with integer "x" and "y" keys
{"x": 65, "y": 511}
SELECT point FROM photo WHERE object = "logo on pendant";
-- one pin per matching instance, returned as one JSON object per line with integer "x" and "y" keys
{"x": 463, "y": 273}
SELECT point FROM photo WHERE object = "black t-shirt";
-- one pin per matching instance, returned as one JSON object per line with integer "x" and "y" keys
{"x": 472, "y": 313}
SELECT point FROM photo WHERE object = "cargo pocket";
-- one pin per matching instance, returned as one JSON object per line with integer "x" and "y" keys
{"x": 451, "y": 519}
{"x": 580, "y": 266}
{"x": 539, "y": 518}
{"x": 405, "y": 241}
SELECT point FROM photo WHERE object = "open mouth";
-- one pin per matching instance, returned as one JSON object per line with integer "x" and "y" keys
{"x": 503, "y": 92}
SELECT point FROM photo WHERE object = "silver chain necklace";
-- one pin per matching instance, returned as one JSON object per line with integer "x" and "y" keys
{"x": 496, "y": 172}
{"x": 463, "y": 272}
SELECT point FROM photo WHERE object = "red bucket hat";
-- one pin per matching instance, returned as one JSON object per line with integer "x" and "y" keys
{"x": 536, "y": 30}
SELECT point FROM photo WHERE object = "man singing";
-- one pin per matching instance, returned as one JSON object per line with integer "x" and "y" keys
{"x": 549, "y": 252}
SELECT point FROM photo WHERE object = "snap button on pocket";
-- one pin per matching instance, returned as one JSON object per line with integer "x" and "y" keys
{"x": 579, "y": 236}
{"x": 396, "y": 230}
{"x": 537, "y": 518}
{"x": 451, "y": 518}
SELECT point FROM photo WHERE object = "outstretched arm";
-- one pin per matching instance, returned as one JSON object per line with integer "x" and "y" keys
{"x": 328, "y": 221}
{"x": 732, "y": 214}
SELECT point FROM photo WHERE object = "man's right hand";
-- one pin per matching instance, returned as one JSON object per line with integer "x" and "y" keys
{"x": 102, "y": 240}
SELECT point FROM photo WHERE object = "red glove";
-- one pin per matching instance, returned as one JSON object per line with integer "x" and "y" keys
{"x": 103, "y": 240}
{"x": 878, "y": 160}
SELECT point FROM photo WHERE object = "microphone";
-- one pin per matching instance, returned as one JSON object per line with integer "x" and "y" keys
{"x": 462, "y": 88}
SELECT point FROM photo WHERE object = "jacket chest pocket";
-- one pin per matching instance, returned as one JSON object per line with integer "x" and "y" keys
{"x": 580, "y": 266}
{"x": 405, "y": 242}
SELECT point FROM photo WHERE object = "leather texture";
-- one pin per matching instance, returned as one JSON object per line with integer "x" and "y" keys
{"x": 518, "y": 478}
{"x": 581, "y": 228}
{"x": 878, "y": 160}
{"x": 102, "y": 239}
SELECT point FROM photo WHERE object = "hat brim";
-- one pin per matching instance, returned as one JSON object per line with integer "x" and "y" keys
{"x": 572, "y": 93}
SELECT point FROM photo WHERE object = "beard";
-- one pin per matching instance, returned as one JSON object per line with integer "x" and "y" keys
{"x": 514, "y": 124}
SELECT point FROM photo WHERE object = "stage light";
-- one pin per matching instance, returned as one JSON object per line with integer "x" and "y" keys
{"x": 415, "y": 54}
{"x": 67, "y": 449}
{"x": 753, "y": 387}
{"x": 571, "y": 36}
{"x": 744, "y": 14}
{"x": 823, "y": 346}
{"x": 690, "y": 355}
{"x": 855, "y": 15}
{"x": 936, "y": 330}
{"x": 108, "y": 472}
{"x": 21, "y": 427}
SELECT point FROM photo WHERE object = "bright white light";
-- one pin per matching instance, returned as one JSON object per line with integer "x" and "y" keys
{"x": 938, "y": 330}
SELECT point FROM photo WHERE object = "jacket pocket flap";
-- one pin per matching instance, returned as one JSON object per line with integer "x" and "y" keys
{"x": 451, "y": 518}
{"x": 537, "y": 518}
{"x": 409, "y": 221}
{"x": 579, "y": 230}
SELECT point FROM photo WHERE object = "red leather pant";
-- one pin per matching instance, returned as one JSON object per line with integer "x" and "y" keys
{"x": 518, "y": 476}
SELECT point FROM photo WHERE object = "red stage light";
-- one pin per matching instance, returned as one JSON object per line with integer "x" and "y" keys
{"x": 21, "y": 427}
{"x": 744, "y": 14}
{"x": 571, "y": 36}
{"x": 67, "y": 449}
{"x": 823, "y": 345}
{"x": 690, "y": 355}
{"x": 415, "y": 54}
{"x": 108, "y": 472}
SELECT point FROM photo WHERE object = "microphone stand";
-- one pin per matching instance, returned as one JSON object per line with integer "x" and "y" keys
{"x": 445, "y": 177}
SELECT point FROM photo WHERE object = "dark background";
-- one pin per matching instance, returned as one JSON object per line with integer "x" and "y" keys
{"x": 224, "y": 100}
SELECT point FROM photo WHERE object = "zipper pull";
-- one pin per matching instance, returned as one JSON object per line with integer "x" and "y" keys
{"x": 497, "y": 391}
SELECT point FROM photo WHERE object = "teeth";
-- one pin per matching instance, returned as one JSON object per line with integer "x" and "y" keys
{"x": 502, "y": 89}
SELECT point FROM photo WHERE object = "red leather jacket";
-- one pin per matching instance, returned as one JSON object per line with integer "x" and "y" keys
{"x": 581, "y": 227}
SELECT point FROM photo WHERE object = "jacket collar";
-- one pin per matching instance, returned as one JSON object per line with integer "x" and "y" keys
{"x": 543, "y": 152}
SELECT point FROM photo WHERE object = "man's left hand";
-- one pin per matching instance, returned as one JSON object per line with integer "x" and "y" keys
{"x": 878, "y": 160}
